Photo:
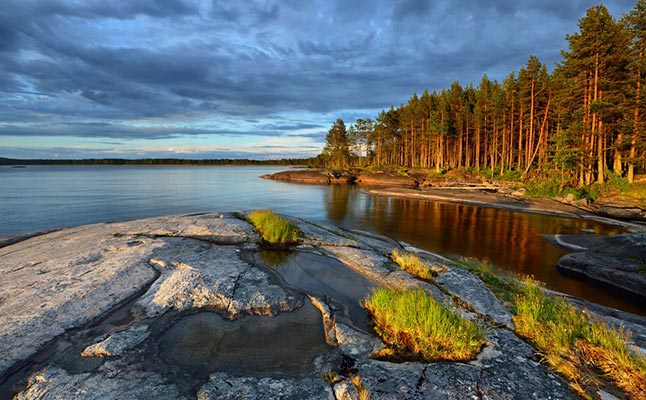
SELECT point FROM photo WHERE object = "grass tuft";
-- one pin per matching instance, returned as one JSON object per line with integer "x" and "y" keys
{"x": 412, "y": 322}
{"x": 273, "y": 228}
{"x": 585, "y": 351}
{"x": 362, "y": 390}
{"x": 410, "y": 262}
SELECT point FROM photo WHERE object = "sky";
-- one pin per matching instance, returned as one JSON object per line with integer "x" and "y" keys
{"x": 257, "y": 79}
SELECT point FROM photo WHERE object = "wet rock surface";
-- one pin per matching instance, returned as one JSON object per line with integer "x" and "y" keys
{"x": 618, "y": 261}
{"x": 190, "y": 307}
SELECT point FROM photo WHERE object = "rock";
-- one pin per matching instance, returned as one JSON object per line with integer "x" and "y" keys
{"x": 212, "y": 227}
{"x": 356, "y": 344}
{"x": 329, "y": 325}
{"x": 112, "y": 382}
{"x": 623, "y": 273}
{"x": 224, "y": 386}
{"x": 616, "y": 260}
{"x": 620, "y": 208}
{"x": 345, "y": 390}
{"x": 510, "y": 371}
{"x": 323, "y": 235}
{"x": 118, "y": 342}
{"x": 301, "y": 175}
{"x": 196, "y": 275}
{"x": 519, "y": 192}
{"x": 372, "y": 266}
{"x": 471, "y": 290}
{"x": 65, "y": 279}
{"x": 172, "y": 275}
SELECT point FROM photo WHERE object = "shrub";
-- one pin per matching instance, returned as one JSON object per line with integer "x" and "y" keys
{"x": 413, "y": 323}
{"x": 273, "y": 228}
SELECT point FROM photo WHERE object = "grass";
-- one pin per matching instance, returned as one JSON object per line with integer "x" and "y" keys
{"x": 583, "y": 350}
{"x": 587, "y": 352}
{"x": 410, "y": 262}
{"x": 273, "y": 228}
{"x": 637, "y": 190}
{"x": 362, "y": 390}
{"x": 413, "y": 323}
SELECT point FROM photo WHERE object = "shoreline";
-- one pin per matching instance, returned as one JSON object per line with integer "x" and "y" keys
{"x": 481, "y": 194}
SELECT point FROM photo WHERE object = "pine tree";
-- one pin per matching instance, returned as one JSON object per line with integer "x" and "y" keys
{"x": 337, "y": 151}
{"x": 635, "y": 22}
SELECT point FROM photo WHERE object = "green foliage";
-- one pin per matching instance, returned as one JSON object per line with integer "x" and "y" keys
{"x": 337, "y": 148}
{"x": 585, "y": 351}
{"x": 637, "y": 190}
{"x": 576, "y": 346}
{"x": 613, "y": 185}
{"x": 410, "y": 262}
{"x": 549, "y": 186}
{"x": 273, "y": 228}
{"x": 414, "y": 323}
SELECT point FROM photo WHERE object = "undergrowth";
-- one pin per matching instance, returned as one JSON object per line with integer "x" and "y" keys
{"x": 273, "y": 228}
{"x": 587, "y": 352}
{"x": 413, "y": 323}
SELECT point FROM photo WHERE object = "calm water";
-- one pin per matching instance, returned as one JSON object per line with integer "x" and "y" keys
{"x": 40, "y": 198}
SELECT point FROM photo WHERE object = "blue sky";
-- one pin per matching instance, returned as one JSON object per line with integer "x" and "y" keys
{"x": 255, "y": 79}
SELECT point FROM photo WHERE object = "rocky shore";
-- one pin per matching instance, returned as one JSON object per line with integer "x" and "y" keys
{"x": 191, "y": 306}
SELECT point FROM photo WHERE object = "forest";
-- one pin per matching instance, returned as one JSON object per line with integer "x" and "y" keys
{"x": 155, "y": 161}
{"x": 581, "y": 124}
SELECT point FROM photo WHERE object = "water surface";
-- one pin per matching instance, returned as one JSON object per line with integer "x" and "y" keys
{"x": 48, "y": 197}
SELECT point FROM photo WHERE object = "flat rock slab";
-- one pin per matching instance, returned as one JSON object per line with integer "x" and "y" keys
{"x": 197, "y": 275}
{"x": 224, "y": 386}
{"x": 65, "y": 279}
{"x": 468, "y": 288}
{"x": 118, "y": 342}
{"x": 113, "y": 381}
{"x": 213, "y": 227}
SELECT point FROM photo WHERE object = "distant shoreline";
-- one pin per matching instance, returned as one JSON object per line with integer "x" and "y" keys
{"x": 155, "y": 162}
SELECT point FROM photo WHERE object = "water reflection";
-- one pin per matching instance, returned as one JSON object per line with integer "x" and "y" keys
{"x": 510, "y": 240}
{"x": 283, "y": 345}
{"x": 325, "y": 278}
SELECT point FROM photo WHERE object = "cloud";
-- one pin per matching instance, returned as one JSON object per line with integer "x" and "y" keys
{"x": 226, "y": 68}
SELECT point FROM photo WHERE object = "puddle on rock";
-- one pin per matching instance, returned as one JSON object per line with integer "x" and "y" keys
{"x": 323, "y": 277}
{"x": 286, "y": 344}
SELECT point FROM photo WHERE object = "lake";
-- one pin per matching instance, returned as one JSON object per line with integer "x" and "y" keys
{"x": 40, "y": 198}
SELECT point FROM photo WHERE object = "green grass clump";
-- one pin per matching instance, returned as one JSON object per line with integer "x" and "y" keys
{"x": 583, "y": 350}
{"x": 410, "y": 262}
{"x": 413, "y": 323}
{"x": 273, "y": 228}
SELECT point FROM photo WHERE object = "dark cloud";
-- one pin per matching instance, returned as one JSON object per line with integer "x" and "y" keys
{"x": 252, "y": 67}
{"x": 108, "y": 8}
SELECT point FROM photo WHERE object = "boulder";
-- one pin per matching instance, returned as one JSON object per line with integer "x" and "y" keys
{"x": 617, "y": 260}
